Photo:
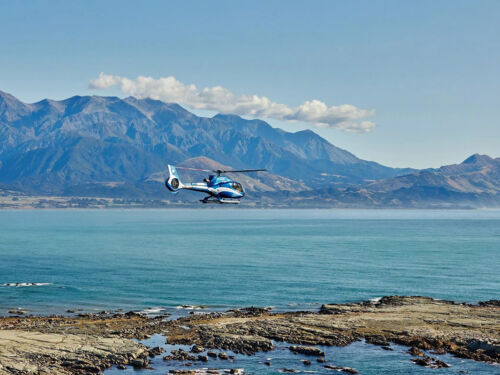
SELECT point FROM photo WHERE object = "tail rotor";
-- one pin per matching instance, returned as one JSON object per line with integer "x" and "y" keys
{"x": 173, "y": 182}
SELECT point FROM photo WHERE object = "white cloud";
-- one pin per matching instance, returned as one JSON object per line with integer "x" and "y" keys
{"x": 345, "y": 117}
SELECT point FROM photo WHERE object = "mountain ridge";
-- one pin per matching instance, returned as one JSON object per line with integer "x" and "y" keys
{"x": 159, "y": 133}
{"x": 105, "y": 145}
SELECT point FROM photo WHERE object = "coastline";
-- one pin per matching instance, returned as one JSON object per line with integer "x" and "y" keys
{"x": 61, "y": 202}
{"x": 90, "y": 343}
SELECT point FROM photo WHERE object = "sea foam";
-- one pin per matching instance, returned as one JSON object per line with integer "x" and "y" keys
{"x": 18, "y": 285}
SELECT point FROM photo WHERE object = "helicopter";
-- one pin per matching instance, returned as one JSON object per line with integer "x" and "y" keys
{"x": 220, "y": 189}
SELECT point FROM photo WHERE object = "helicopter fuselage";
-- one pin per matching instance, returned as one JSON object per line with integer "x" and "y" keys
{"x": 218, "y": 187}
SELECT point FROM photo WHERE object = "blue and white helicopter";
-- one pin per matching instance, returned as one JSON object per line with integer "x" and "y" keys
{"x": 220, "y": 189}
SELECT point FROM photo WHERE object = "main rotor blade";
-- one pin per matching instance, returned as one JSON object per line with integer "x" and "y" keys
{"x": 220, "y": 171}
{"x": 243, "y": 170}
{"x": 196, "y": 169}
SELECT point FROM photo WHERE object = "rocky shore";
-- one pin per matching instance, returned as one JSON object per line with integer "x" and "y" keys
{"x": 90, "y": 343}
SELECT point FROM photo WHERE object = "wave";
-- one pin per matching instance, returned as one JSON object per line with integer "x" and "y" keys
{"x": 302, "y": 304}
{"x": 18, "y": 285}
{"x": 191, "y": 307}
{"x": 303, "y": 371}
{"x": 152, "y": 310}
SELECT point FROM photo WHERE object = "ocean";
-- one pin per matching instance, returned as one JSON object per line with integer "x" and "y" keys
{"x": 174, "y": 260}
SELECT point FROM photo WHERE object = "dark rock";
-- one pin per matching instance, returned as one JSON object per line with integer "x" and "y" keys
{"x": 153, "y": 352}
{"x": 203, "y": 358}
{"x": 491, "y": 302}
{"x": 16, "y": 312}
{"x": 438, "y": 351}
{"x": 439, "y": 364}
{"x": 197, "y": 349}
{"x": 349, "y": 370}
{"x": 254, "y": 311}
{"x": 332, "y": 367}
{"x": 306, "y": 362}
{"x": 212, "y": 354}
{"x": 425, "y": 361}
{"x": 377, "y": 340}
{"x": 307, "y": 350}
{"x": 223, "y": 356}
{"x": 245, "y": 344}
{"x": 484, "y": 347}
{"x": 416, "y": 352}
{"x": 131, "y": 313}
{"x": 140, "y": 363}
{"x": 430, "y": 362}
{"x": 79, "y": 365}
{"x": 179, "y": 355}
{"x": 387, "y": 348}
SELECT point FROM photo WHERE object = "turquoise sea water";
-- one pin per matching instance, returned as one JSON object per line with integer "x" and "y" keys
{"x": 229, "y": 257}
{"x": 223, "y": 258}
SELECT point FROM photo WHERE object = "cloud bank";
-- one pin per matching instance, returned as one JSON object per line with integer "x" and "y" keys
{"x": 345, "y": 117}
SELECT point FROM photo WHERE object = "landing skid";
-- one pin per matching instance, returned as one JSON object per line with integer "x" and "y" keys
{"x": 220, "y": 200}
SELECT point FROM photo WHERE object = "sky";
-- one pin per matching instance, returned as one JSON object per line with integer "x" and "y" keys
{"x": 406, "y": 84}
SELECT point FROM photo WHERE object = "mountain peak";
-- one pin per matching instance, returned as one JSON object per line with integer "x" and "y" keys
{"x": 306, "y": 133}
{"x": 91, "y": 98}
{"x": 478, "y": 159}
{"x": 4, "y": 94}
{"x": 149, "y": 105}
{"x": 11, "y": 108}
{"x": 227, "y": 117}
{"x": 6, "y": 97}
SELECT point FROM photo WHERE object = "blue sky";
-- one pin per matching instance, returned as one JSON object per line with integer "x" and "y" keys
{"x": 429, "y": 69}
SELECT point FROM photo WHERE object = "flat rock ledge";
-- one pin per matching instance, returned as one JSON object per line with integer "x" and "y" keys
{"x": 24, "y": 352}
{"x": 89, "y": 343}
{"x": 464, "y": 330}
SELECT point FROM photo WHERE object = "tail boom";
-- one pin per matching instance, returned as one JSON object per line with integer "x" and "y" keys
{"x": 174, "y": 183}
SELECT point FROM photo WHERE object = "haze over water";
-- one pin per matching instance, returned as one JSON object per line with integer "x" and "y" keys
{"x": 224, "y": 258}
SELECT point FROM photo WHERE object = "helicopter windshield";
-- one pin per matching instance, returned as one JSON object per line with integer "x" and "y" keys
{"x": 237, "y": 186}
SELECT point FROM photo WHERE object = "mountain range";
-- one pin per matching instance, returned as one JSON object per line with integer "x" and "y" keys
{"x": 471, "y": 184}
{"x": 107, "y": 146}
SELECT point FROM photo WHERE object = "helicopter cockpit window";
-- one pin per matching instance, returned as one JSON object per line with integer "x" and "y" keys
{"x": 237, "y": 186}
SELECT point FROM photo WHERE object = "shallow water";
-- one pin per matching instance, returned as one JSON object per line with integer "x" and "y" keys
{"x": 223, "y": 258}
{"x": 365, "y": 358}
